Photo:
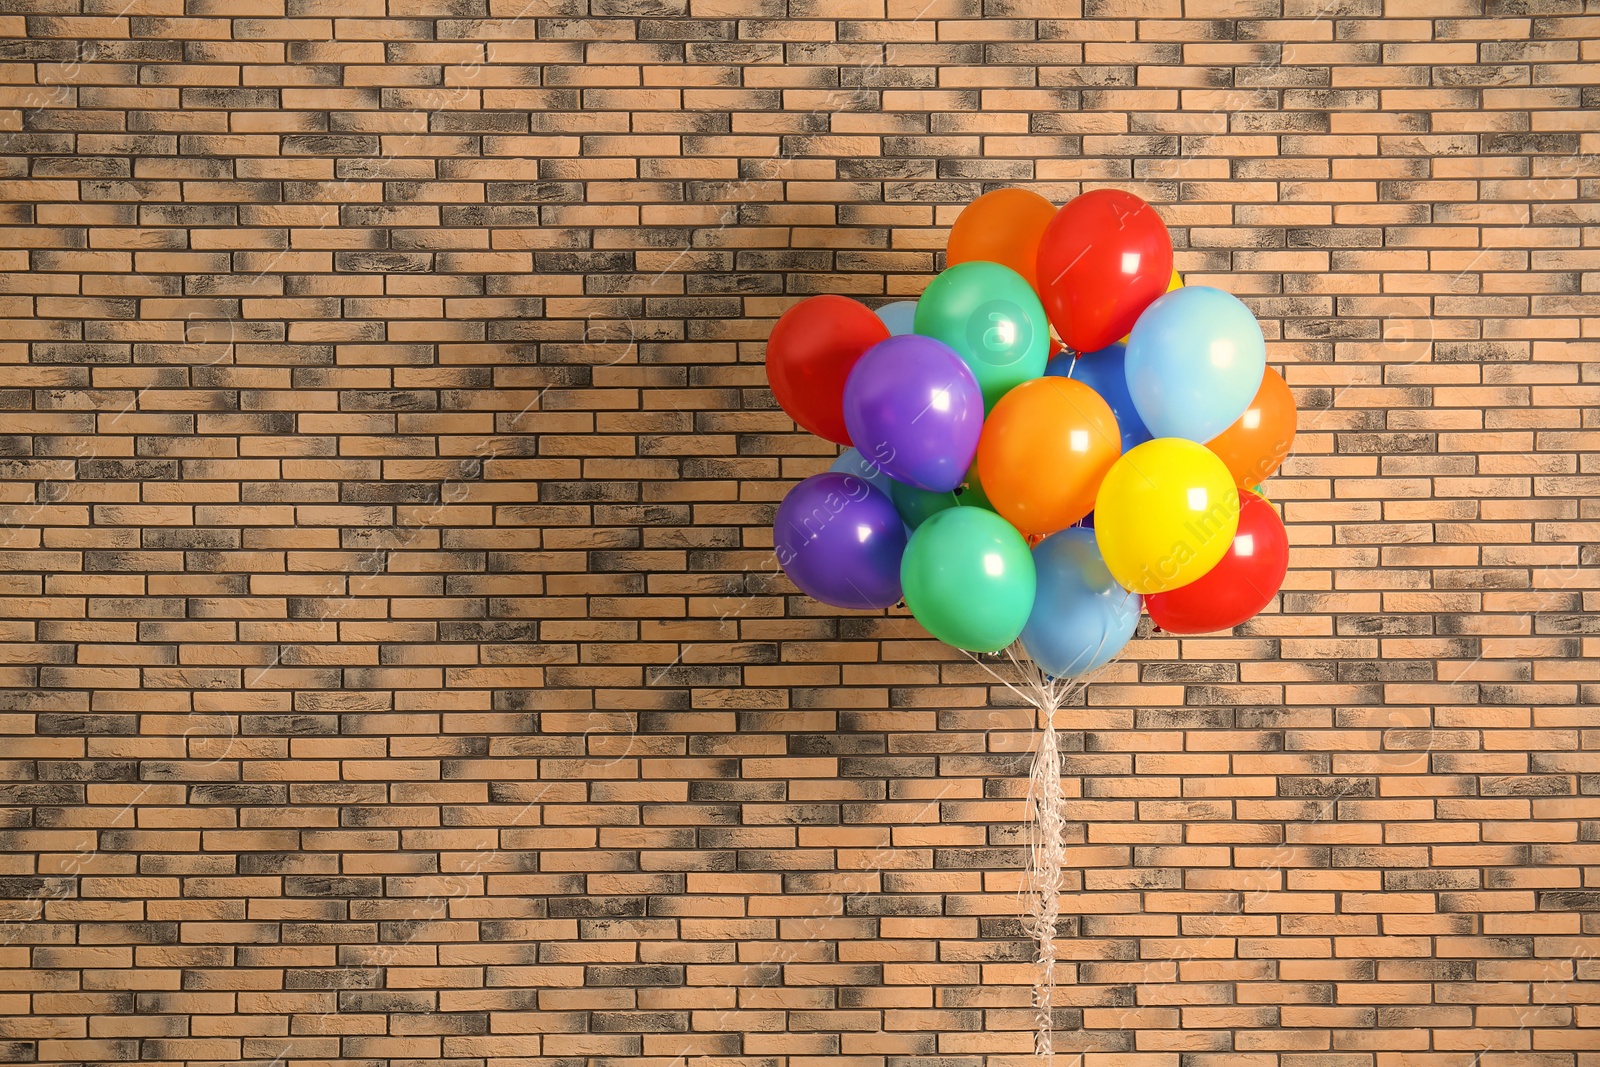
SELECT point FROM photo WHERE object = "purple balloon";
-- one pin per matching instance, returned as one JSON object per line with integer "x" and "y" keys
{"x": 840, "y": 541}
{"x": 912, "y": 405}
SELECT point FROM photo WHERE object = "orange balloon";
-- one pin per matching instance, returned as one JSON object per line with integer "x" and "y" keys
{"x": 1003, "y": 227}
{"x": 1259, "y": 440}
{"x": 1045, "y": 448}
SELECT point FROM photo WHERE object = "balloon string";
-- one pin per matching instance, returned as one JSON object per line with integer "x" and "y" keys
{"x": 1046, "y": 876}
{"x": 1027, "y": 696}
{"x": 1046, "y": 832}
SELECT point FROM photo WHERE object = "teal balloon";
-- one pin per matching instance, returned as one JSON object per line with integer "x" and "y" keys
{"x": 917, "y": 506}
{"x": 1081, "y": 617}
{"x": 993, "y": 319}
{"x": 1194, "y": 362}
{"x": 969, "y": 579}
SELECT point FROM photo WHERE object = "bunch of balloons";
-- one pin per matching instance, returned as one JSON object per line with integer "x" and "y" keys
{"x": 1058, "y": 433}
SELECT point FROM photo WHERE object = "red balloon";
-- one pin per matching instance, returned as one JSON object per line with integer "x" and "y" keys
{"x": 811, "y": 352}
{"x": 1246, "y": 580}
{"x": 1102, "y": 260}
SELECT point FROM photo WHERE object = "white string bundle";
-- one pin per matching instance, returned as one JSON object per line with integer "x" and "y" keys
{"x": 1047, "y": 844}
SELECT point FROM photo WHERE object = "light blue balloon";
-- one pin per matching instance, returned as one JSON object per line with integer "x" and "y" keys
{"x": 1105, "y": 372}
{"x": 1195, "y": 360}
{"x": 1081, "y": 617}
{"x": 853, "y": 462}
{"x": 898, "y": 316}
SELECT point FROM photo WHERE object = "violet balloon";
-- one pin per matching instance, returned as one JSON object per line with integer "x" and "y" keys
{"x": 840, "y": 541}
{"x": 912, "y": 404}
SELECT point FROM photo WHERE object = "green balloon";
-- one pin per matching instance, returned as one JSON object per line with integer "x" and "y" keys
{"x": 993, "y": 319}
{"x": 968, "y": 578}
{"x": 917, "y": 506}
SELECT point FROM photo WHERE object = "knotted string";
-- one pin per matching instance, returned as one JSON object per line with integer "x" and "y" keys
{"x": 1047, "y": 845}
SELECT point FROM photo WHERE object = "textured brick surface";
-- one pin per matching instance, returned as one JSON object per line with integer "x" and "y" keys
{"x": 394, "y": 664}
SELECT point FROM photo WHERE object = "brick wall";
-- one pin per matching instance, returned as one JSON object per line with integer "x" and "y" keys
{"x": 394, "y": 664}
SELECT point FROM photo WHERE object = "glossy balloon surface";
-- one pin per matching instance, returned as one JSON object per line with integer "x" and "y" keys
{"x": 1194, "y": 361}
{"x": 1165, "y": 515}
{"x": 1175, "y": 283}
{"x": 810, "y": 353}
{"x": 851, "y": 461}
{"x": 913, "y": 407}
{"x": 1102, "y": 260}
{"x": 993, "y": 319}
{"x": 1259, "y": 440}
{"x": 898, "y": 316}
{"x": 1043, "y": 452}
{"x": 1081, "y": 617}
{"x": 917, "y": 506}
{"x": 1106, "y": 373}
{"x": 841, "y": 542}
{"x": 969, "y": 579}
{"x": 1242, "y": 583}
{"x": 1002, "y": 226}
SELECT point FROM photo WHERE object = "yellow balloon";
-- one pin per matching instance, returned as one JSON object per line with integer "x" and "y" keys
{"x": 1166, "y": 514}
{"x": 1175, "y": 283}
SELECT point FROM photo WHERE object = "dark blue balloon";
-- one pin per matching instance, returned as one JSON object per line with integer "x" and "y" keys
{"x": 840, "y": 541}
{"x": 1104, "y": 372}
